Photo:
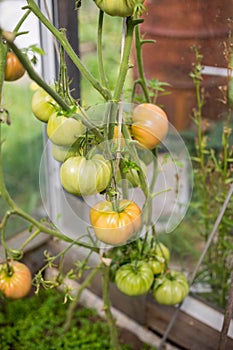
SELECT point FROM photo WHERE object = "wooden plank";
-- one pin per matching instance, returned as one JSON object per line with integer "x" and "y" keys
{"x": 187, "y": 332}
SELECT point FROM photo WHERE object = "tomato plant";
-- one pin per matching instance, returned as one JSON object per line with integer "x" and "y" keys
{"x": 43, "y": 106}
{"x": 134, "y": 278}
{"x": 64, "y": 131}
{"x": 121, "y": 8}
{"x": 115, "y": 226}
{"x": 149, "y": 125}
{"x": 170, "y": 288}
{"x": 15, "y": 279}
{"x": 84, "y": 177}
{"x": 13, "y": 69}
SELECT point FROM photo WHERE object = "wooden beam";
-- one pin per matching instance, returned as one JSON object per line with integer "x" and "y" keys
{"x": 187, "y": 332}
{"x": 65, "y": 16}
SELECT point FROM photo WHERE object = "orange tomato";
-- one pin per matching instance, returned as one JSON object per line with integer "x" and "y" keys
{"x": 115, "y": 227}
{"x": 149, "y": 125}
{"x": 13, "y": 69}
{"x": 15, "y": 281}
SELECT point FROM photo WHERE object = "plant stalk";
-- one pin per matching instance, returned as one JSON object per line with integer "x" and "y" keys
{"x": 131, "y": 23}
{"x": 75, "y": 301}
{"x": 107, "y": 309}
{"x": 69, "y": 50}
{"x": 103, "y": 78}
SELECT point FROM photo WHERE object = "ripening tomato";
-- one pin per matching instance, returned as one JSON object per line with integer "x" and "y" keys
{"x": 43, "y": 105}
{"x": 135, "y": 278}
{"x": 170, "y": 288}
{"x": 84, "y": 177}
{"x": 64, "y": 131}
{"x": 15, "y": 279}
{"x": 149, "y": 125}
{"x": 121, "y": 8}
{"x": 13, "y": 69}
{"x": 115, "y": 227}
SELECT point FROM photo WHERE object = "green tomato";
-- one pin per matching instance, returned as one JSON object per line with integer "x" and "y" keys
{"x": 157, "y": 264}
{"x": 64, "y": 131}
{"x": 42, "y": 105}
{"x": 159, "y": 256}
{"x": 160, "y": 250}
{"x": 135, "y": 278}
{"x": 61, "y": 153}
{"x": 121, "y": 8}
{"x": 132, "y": 175}
{"x": 170, "y": 289}
{"x": 84, "y": 177}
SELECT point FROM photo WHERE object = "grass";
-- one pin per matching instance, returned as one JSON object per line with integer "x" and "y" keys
{"x": 36, "y": 323}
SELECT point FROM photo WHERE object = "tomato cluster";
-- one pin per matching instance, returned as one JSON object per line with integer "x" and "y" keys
{"x": 87, "y": 169}
{"x": 142, "y": 266}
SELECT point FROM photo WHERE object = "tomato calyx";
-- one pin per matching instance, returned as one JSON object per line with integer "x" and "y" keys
{"x": 8, "y": 269}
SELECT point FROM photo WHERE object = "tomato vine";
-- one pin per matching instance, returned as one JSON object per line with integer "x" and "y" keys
{"x": 114, "y": 221}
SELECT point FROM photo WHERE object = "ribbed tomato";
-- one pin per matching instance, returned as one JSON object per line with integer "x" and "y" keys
{"x": 15, "y": 279}
{"x": 135, "y": 278}
{"x": 13, "y": 69}
{"x": 121, "y": 8}
{"x": 159, "y": 256}
{"x": 149, "y": 125}
{"x": 170, "y": 288}
{"x": 42, "y": 105}
{"x": 61, "y": 153}
{"x": 84, "y": 177}
{"x": 115, "y": 227}
{"x": 64, "y": 131}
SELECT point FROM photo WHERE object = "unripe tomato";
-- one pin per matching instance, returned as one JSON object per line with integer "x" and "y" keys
{"x": 13, "y": 69}
{"x": 135, "y": 278}
{"x": 157, "y": 265}
{"x": 16, "y": 281}
{"x": 159, "y": 257}
{"x": 64, "y": 131}
{"x": 162, "y": 251}
{"x": 171, "y": 288}
{"x": 132, "y": 175}
{"x": 61, "y": 153}
{"x": 121, "y": 8}
{"x": 84, "y": 177}
{"x": 115, "y": 227}
{"x": 42, "y": 105}
{"x": 149, "y": 125}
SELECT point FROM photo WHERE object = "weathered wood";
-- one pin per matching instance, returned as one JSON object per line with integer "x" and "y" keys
{"x": 66, "y": 17}
{"x": 187, "y": 332}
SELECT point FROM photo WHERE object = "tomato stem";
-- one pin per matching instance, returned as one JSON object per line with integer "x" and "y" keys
{"x": 107, "y": 309}
{"x": 69, "y": 50}
{"x": 130, "y": 25}
{"x": 24, "y": 17}
{"x": 142, "y": 80}
{"x": 99, "y": 51}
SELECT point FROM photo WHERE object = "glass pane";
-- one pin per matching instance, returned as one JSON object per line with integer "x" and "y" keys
{"x": 22, "y": 140}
